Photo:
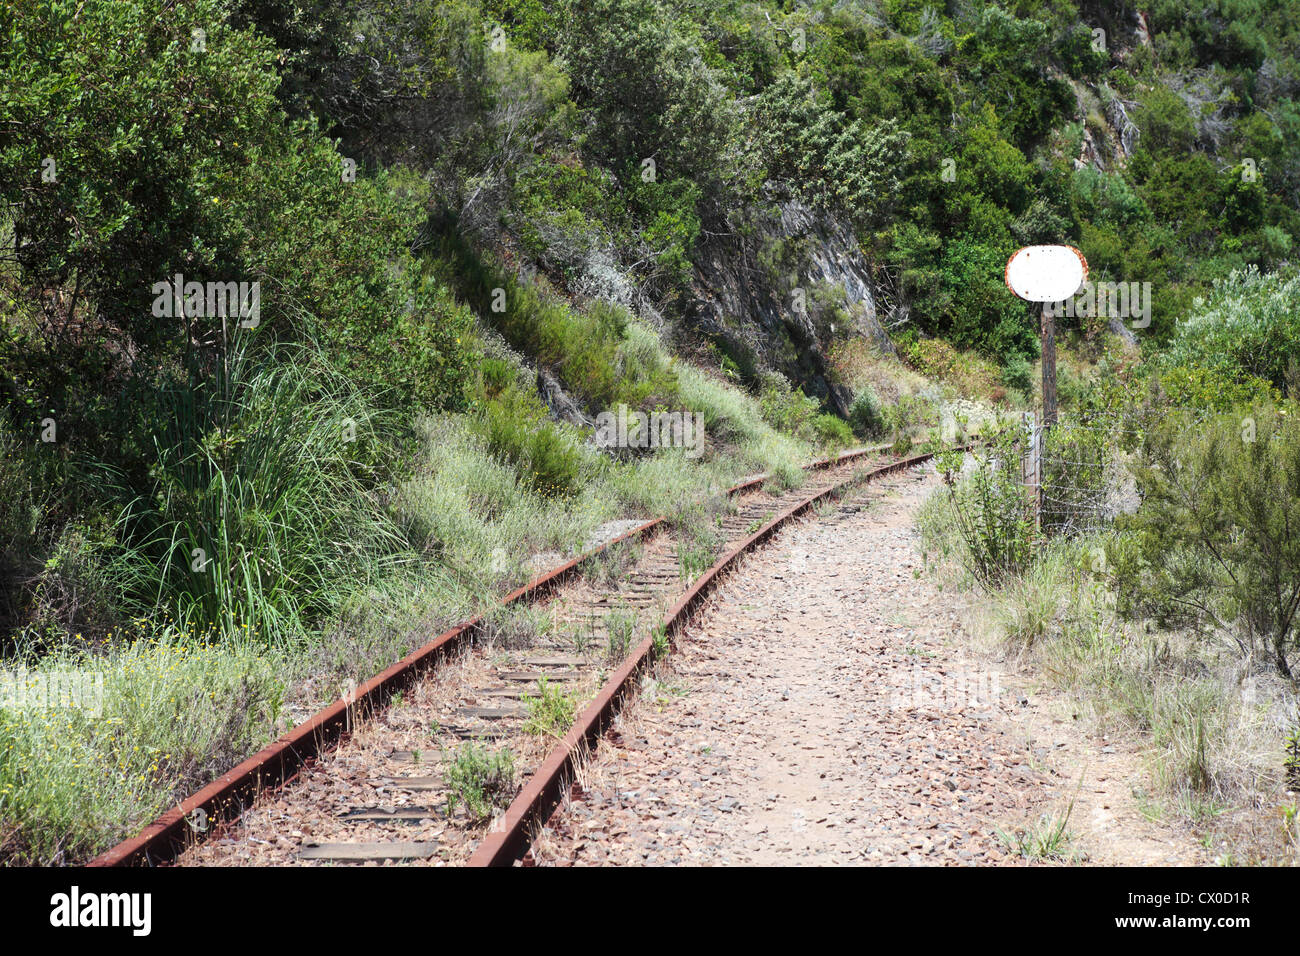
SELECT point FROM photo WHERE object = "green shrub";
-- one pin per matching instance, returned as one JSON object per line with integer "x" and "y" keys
{"x": 516, "y": 428}
{"x": 991, "y": 514}
{"x": 481, "y": 781}
{"x": 785, "y": 407}
{"x": 177, "y": 711}
{"x": 24, "y": 499}
{"x": 910, "y": 412}
{"x": 832, "y": 431}
{"x": 1018, "y": 373}
{"x": 1213, "y": 544}
{"x": 495, "y": 376}
{"x": 1249, "y": 327}
{"x": 262, "y": 515}
{"x": 551, "y": 712}
{"x": 865, "y": 417}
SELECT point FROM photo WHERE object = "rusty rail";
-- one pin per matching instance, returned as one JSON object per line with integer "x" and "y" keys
{"x": 277, "y": 764}
{"x": 510, "y": 837}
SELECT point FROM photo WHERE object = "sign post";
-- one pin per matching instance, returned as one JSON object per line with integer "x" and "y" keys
{"x": 1045, "y": 274}
{"x": 1047, "y": 344}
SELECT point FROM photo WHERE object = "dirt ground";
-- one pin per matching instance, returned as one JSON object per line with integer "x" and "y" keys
{"x": 827, "y": 709}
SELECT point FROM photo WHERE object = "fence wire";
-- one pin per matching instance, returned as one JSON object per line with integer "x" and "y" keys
{"x": 1074, "y": 473}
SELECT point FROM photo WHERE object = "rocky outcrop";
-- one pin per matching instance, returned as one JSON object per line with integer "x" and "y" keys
{"x": 780, "y": 288}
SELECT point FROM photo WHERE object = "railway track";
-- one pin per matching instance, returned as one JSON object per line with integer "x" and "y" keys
{"x": 367, "y": 780}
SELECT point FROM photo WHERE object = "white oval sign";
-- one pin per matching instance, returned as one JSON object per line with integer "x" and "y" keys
{"x": 1046, "y": 273}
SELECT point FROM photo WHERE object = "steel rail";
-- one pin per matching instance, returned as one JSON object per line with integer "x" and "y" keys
{"x": 509, "y": 837}
{"x": 279, "y": 763}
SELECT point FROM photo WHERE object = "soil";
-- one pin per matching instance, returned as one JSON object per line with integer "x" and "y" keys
{"x": 829, "y": 708}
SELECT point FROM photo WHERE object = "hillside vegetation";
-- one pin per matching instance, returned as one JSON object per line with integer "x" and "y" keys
{"x": 310, "y": 308}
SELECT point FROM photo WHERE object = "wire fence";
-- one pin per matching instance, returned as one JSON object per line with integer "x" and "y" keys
{"x": 1074, "y": 473}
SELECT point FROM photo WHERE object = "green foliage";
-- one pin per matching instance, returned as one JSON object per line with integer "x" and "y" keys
{"x": 22, "y": 502}
{"x": 1213, "y": 543}
{"x": 865, "y": 417}
{"x": 176, "y": 712}
{"x": 1002, "y": 58}
{"x": 837, "y": 162}
{"x": 480, "y": 780}
{"x": 551, "y": 712}
{"x": 598, "y": 352}
{"x": 911, "y": 412}
{"x": 645, "y": 90}
{"x": 260, "y": 518}
{"x": 992, "y": 515}
{"x": 621, "y": 627}
{"x": 517, "y": 429}
{"x": 1018, "y": 374}
{"x": 1075, "y": 462}
{"x": 832, "y": 431}
{"x": 786, "y": 408}
{"x": 202, "y": 174}
{"x": 1248, "y": 328}
{"x": 1047, "y": 838}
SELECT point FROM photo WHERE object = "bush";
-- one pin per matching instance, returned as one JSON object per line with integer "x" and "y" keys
{"x": 1213, "y": 543}
{"x": 517, "y": 430}
{"x": 991, "y": 514}
{"x": 480, "y": 780}
{"x": 865, "y": 417}
{"x": 261, "y": 517}
{"x": 1249, "y": 328}
{"x": 1018, "y": 373}
{"x": 832, "y": 431}
{"x": 785, "y": 408}
{"x": 910, "y": 412}
{"x": 176, "y": 712}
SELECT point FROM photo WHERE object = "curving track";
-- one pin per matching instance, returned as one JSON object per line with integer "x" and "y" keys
{"x": 373, "y": 799}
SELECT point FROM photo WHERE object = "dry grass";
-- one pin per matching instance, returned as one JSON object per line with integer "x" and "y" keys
{"x": 1212, "y": 727}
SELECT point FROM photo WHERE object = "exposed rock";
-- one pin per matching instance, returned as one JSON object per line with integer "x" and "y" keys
{"x": 750, "y": 284}
{"x": 1118, "y": 327}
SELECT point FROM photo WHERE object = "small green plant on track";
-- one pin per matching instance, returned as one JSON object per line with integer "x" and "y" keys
{"x": 584, "y": 636}
{"x": 694, "y": 558}
{"x": 621, "y": 626}
{"x": 551, "y": 712}
{"x": 480, "y": 780}
{"x": 660, "y": 641}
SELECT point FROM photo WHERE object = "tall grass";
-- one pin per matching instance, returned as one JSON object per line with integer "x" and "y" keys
{"x": 262, "y": 515}
{"x": 1211, "y": 730}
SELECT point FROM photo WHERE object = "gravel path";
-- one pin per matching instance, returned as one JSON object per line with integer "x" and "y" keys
{"x": 822, "y": 713}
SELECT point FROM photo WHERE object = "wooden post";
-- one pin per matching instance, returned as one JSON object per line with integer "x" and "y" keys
{"x": 1048, "y": 339}
{"x": 1031, "y": 468}
{"x": 1039, "y": 432}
